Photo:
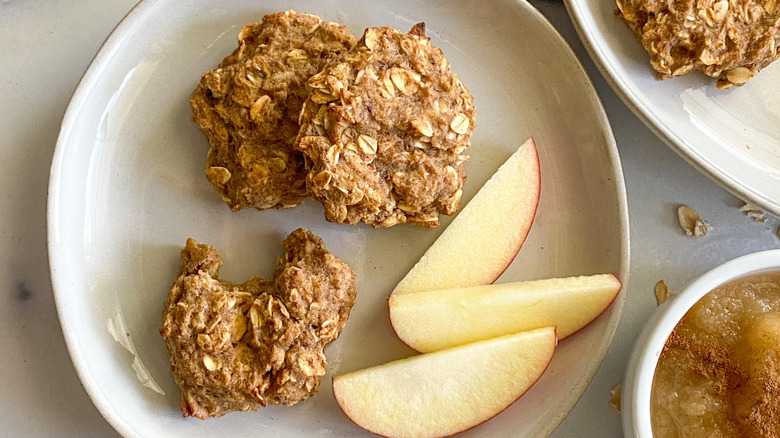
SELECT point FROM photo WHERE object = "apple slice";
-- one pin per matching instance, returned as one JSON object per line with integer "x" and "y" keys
{"x": 445, "y": 392}
{"x": 485, "y": 237}
{"x": 439, "y": 319}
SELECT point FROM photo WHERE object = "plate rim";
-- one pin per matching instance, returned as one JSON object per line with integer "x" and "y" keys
{"x": 92, "y": 73}
{"x": 136, "y": 15}
{"x": 672, "y": 140}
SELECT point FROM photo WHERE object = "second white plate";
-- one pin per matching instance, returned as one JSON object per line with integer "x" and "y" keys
{"x": 732, "y": 136}
{"x": 128, "y": 187}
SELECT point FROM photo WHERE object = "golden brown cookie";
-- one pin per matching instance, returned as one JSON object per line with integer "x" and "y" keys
{"x": 239, "y": 347}
{"x": 248, "y": 108}
{"x": 730, "y": 40}
{"x": 385, "y": 130}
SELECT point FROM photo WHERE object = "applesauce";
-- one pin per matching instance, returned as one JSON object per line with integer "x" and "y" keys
{"x": 719, "y": 372}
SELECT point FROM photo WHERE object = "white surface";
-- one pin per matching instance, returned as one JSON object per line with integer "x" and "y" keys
{"x": 127, "y": 189}
{"x": 47, "y": 45}
{"x": 650, "y": 344}
{"x": 732, "y": 135}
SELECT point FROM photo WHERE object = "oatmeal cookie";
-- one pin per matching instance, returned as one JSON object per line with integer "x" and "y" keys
{"x": 729, "y": 40}
{"x": 248, "y": 108}
{"x": 385, "y": 130}
{"x": 240, "y": 347}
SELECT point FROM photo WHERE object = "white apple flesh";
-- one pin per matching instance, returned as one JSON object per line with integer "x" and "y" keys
{"x": 446, "y": 392}
{"x": 485, "y": 237}
{"x": 439, "y": 319}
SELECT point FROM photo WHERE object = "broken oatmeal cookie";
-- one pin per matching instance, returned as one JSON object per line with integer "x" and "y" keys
{"x": 248, "y": 108}
{"x": 240, "y": 347}
{"x": 385, "y": 130}
{"x": 729, "y": 40}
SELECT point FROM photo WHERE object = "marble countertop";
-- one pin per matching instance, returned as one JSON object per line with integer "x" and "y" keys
{"x": 46, "y": 46}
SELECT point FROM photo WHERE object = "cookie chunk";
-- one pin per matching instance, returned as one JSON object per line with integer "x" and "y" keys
{"x": 385, "y": 130}
{"x": 240, "y": 347}
{"x": 248, "y": 108}
{"x": 730, "y": 40}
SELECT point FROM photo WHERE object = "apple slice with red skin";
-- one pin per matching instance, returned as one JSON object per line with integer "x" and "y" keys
{"x": 448, "y": 391}
{"x": 481, "y": 242}
{"x": 439, "y": 319}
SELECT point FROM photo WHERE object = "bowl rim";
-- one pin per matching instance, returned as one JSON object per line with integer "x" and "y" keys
{"x": 647, "y": 349}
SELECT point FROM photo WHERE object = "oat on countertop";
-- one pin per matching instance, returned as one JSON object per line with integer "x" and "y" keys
{"x": 616, "y": 395}
{"x": 385, "y": 131}
{"x": 692, "y": 223}
{"x": 752, "y": 211}
{"x": 237, "y": 347}
{"x": 248, "y": 108}
{"x": 661, "y": 292}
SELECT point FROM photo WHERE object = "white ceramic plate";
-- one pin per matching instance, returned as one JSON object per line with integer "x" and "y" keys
{"x": 127, "y": 188}
{"x": 732, "y": 136}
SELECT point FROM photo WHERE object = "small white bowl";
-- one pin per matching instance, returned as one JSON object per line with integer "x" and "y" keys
{"x": 647, "y": 349}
